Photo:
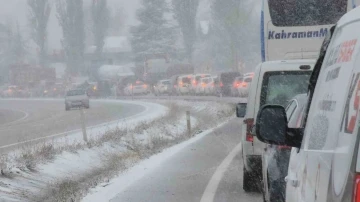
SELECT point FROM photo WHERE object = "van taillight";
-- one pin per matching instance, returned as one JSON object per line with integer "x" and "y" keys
{"x": 283, "y": 147}
{"x": 249, "y": 124}
{"x": 357, "y": 188}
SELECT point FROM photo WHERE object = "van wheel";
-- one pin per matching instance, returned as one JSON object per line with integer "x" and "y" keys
{"x": 276, "y": 191}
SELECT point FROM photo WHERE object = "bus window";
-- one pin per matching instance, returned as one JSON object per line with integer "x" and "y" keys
{"x": 285, "y": 13}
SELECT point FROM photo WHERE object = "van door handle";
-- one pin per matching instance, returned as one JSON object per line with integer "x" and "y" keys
{"x": 293, "y": 182}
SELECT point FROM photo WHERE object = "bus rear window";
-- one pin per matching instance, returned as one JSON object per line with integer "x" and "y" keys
{"x": 186, "y": 80}
{"x": 285, "y": 13}
{"x": 280, "y": 87}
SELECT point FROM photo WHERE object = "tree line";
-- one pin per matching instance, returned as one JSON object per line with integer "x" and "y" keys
{"x": 162, "y": 24}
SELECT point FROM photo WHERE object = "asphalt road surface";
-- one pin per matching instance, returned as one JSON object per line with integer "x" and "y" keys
{"x": 23, "y": 120}
{"x": 187, "y": 97}
{"x": 189, "y": 174}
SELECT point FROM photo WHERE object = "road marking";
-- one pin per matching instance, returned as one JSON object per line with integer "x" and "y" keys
{"x": 147, "y": 109}
{"x": 210, "y": 191}
{"x": 22, "y": 118}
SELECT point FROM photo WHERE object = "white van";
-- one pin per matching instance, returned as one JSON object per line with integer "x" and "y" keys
{"x": 274, "y": 82}
{"x": 328, "y": 166}
{"x": 184, "y": 84}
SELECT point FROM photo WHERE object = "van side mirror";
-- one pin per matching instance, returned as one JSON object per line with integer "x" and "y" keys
{"x": 272, "y": 127}
{"x": 241, "y": 110}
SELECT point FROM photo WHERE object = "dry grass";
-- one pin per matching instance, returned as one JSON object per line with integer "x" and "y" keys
{"x": 73, "y": 189}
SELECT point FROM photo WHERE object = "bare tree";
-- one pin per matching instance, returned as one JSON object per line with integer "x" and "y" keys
{"x": 39, "y": 13}
{"x": 71, "y": 19}
{"x": 100, "y": 16}
{"x": 231, "y": 25}
{"x": 185, "y": 13}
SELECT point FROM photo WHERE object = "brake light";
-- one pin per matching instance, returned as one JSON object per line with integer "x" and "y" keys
{"x": 357, "y": 188}
{"x": 249, "y": 138}
{"x": 212, "y": 84}
{"x": 221, "y": 84}
{"x": 281, "y": 147}
{"x": 194, "y": 82}
{"x": 249, "y": 124}
{"x": 244, "y": 84}
{"x": 145, "y": 86}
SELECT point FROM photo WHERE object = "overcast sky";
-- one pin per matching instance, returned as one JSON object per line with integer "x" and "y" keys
{"x": 17, "y": 11}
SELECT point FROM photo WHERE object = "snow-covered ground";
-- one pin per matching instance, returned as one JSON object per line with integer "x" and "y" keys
{"x": 106, "y": 192}
{"x": 66, "y": 167}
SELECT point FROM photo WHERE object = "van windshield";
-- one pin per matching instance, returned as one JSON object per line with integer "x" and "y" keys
{"x": 75, "y": 92}
{"x": 186, "y": 80}
{"x": 280, "y": 87}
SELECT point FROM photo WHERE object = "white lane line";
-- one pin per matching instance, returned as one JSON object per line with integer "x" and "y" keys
{"x": 17, "y": 120}
{"x": 210, "y": 191}
{"x": 147, "y": 109}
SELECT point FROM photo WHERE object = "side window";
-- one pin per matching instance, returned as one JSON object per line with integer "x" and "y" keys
{"x": 290, "y": 109}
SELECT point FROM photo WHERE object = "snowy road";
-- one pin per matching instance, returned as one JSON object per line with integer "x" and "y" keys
{"x": 191, "y": 174}
{"x": 22, "y": 120}
{"x": 189, "y": 98}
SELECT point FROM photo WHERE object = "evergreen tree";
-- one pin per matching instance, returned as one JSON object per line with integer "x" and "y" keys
{"x": 39, "y": 17}
{"x": 71, "y": 19}
{"x": 185, "y": 13}
{"x": 100, "y": 17}
{"x": 153, "y": 35}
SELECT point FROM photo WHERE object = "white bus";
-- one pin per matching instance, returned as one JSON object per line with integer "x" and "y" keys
{"x": 295, "y": 29}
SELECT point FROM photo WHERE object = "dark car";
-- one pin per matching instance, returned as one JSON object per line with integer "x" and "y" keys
{"x": 226, "y": 80}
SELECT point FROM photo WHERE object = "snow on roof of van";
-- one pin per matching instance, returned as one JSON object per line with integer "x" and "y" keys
{"x": 350, "y": 16}
{"x": 80, "y": 79}
{"x": 113, "y": 70}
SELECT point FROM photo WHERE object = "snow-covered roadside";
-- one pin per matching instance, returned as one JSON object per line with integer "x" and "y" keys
{"x": 152, "y": 111}
{"x": 107, "y": 191}
{"x": 69, "y": 174}
{"x": 18, "y": 164}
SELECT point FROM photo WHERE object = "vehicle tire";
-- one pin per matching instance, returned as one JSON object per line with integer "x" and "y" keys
{"x": 275, "y": 191}
{"x": 67, "y": 108}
